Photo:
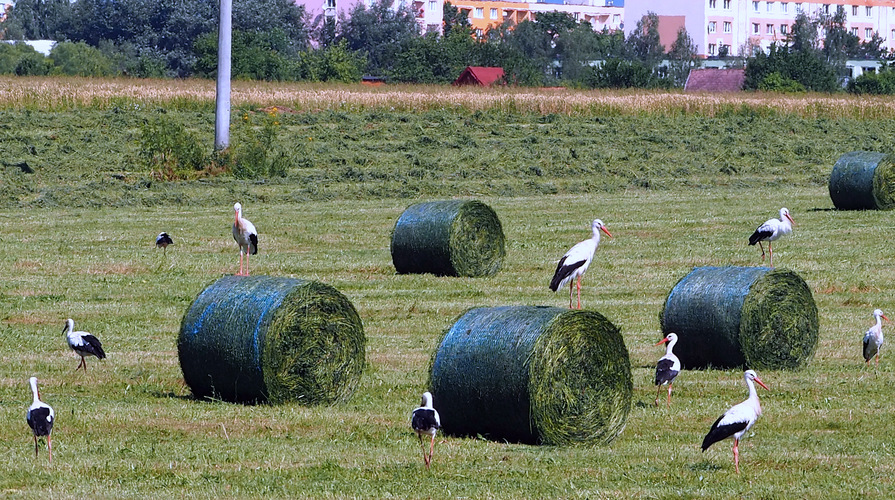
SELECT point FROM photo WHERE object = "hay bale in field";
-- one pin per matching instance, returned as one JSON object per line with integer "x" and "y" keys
{"x": 863, "y": 180}
{"x": 728, "y": 317}
{"x": 533, "y": 375}
{"x": 448, "y": 238}
{"x": 268, "y": 339}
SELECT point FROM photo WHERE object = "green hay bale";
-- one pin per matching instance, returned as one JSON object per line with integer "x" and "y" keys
{"x": 533, "y": 375}
{"x": 863, "y": 180}
{"x": 266, "y": 339}
{"x": 448, "y": 238}
{"x": 727, "y": 317}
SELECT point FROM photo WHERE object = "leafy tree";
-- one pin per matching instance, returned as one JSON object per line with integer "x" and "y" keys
{"x": 531, "y": 40}
{"x": 882, "y": 83}
{"x": 620, "y": 74}
{"x": 80, "y": 59}
{"x": 255, "y": 56}
{"x": 335, "y": 63}
{"x": 455, "y": 21}
{"x": 682, "y": 58}
{"x": 435, "y": 59}
{"x": 379, "y": 31}
{"x": 36, "y": 20}
{"x": 838, "y": 44}
{"x": 807, "y": 67}
{"x": 21, "y": 59}
{"x": 643, "y": 42}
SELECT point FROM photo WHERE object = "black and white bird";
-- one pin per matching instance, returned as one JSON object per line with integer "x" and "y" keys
{"x": 873, "y": 339}
{"x": 667, "y": 368}
{"x": 425, "y": 420}
{"x": 246, "y": 237}
{"x": 82, "y": 343}
{"x": 772, "y": 230}
{"x": 737, "y": 420}
{"x": 40, "y": 418}
{"x": 162, "y": 241}
{"x": 575, "y": 262}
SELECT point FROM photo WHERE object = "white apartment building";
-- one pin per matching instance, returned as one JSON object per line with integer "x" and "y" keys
{"x": 738, "y": 24}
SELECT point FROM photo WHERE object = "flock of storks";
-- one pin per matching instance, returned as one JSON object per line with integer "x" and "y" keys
{"x": 425, "y": 421}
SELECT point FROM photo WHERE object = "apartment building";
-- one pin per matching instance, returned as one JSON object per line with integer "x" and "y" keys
{"x": 736, "y": 25}
{"x": 429, "y": 13}
{"x": 485, "y": 14}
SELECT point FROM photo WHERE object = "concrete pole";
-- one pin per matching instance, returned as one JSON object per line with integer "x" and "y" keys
{"x": 222, "y": 94}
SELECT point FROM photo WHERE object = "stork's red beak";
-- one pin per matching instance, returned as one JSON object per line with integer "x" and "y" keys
{"x": 662, "y": 341}
{"x": 790, "y": 219}
{"x": 603, "y": 228}
{"x": 883, "y": 316}
{"x": 759, "y": 382}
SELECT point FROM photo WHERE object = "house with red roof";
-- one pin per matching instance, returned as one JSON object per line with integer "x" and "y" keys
{"x": 479, "y": 75}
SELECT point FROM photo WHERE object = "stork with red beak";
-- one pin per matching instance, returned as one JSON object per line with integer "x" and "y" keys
{"x": 575, "y": 262}
{"x": 737, "y": 420}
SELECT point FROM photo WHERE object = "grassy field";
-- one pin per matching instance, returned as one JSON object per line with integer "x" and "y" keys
{"x": 78, "y": 243}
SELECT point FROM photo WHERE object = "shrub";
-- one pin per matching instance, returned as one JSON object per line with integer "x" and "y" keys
{"x": 171, "y": 151}
{"x": 256, "y": 153}
{"x": 80, "y": 59}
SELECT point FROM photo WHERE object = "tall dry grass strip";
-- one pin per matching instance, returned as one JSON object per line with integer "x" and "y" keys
{"x": 728, "y": 317}
{"x": 267, "y": 339}
{"x": 533, "y": 375}
{"x": 863, "y": 180}
{"x": 58, "y": 93}
{"x": 448, "y": 238}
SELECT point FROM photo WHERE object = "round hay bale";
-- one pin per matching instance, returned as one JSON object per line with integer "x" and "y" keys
{"x": 448, "y": 238}
{"x": 266, "y": 339}
{"x": 534, "y": 375}
{"x": 727, "y": 317}
{"x": 863, "y": 180}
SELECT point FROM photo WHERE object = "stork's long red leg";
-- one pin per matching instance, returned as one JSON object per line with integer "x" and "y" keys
{"x": 579, "y": 292}
{"x": 658, "y": 392}
{"x": 668, "y": 403}
{"x": 736, "y": 454}
{"x": 771, "y": 254}
{"x": 247, "y": 262}
{"x": 571, "y": 290}
{"x": 50, "y": 447}
{"x": 35, "y": 446}
{"x": 432, "y": 448}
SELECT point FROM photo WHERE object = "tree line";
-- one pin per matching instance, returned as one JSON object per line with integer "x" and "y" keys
{"x": 277, "y": 40}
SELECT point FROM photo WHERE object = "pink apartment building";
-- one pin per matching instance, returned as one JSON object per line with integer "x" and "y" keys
{"x": 738, "y": 25}
{"x": 429, "y": 13}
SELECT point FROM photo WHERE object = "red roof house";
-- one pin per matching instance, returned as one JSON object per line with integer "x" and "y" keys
{"x": 715, "y": 80}
{"x": 479, "y": 75}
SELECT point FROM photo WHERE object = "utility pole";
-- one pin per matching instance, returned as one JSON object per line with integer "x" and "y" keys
{"x": 222, "y": 94}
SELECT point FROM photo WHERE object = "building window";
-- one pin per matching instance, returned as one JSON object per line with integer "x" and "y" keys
{"x": 479, "y": 33}
{"x": 493, "y": 13}
{"x": 769, "y": 29}
{"x": 433, "y": 5}
{"x": 770, "y": 6}
{"x": 756, "y": 29}
{"x": 755, "y": 6}
{"x": 479, "y": 12}
{"x": 783, "y": 29}
{"x": 869, "y": 11}
{"x": 712, "y": 49}
{"x": 854, "y": 31}
{"x": 854, "y": 10}
{"x": 727, "y": 26}
{"x": 712, "y": 4}
{"x": 727, "y": 4}
{"x": 826, "y": 8}
{"x": 868, "y": 32}
{"x": 784, "y": 7}
{"x": 330, "y": 4}
{"x": 712, "y": 26}
{"x": 799, "y": 8}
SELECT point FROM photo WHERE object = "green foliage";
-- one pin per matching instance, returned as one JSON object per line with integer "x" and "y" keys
{"x": 682, "y": 58}
{"x": 22, "y": 60}
{"x": 36, "y": 20}
{"x": 643, "y": 41}
{"x": 256, "y": 152}
{"x": 170, "y": 150}
{"x": 807, "y": 67}
{"x": 619, "y": 74}
{"x": 380, "y": 31}
{"x": 455, "y": 21}
{"x": 80, "y": 59}
{"x": 775, "y": 82}
{"x": 335, "y": 63}
{"x": 882, "y": 83}
{"x": 254, "y": 56}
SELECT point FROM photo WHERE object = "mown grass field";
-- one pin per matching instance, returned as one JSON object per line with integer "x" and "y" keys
{"x": 677, "y": 190}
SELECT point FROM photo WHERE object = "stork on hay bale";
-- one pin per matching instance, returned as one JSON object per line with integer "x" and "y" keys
{"x": 267, "y": 339}
{"x": 532, "y": 374}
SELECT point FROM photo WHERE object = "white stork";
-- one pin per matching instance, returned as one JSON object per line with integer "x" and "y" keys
{"x": 82, "y": 343}
{"x": 737, "y": 420}
{"x": 246, "y": 237}
{"x": 40, "y": 418}
{"x": 667, "y": 368}
{"x": 873, "y": 339}
{"x": 425, "y": 420}
{"x": 771, "y": 231}
{"x": 163, "y": 240}
{"x": 575, "y": 262}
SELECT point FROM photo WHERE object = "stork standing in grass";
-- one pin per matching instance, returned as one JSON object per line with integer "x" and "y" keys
{"x": 40, "y": 418}
{"x": 246, "y": 237}
{"x": 424, "y": 420}
{"x": 873, "y": 339}
{"x": 162, "y": 241}
{"x": 575, "y": 262}
{"x": 772, "y": 230}
{"x": 737, "y": 420}
{"x": 82, "y": 343}
{"x": 667, "y": 368}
